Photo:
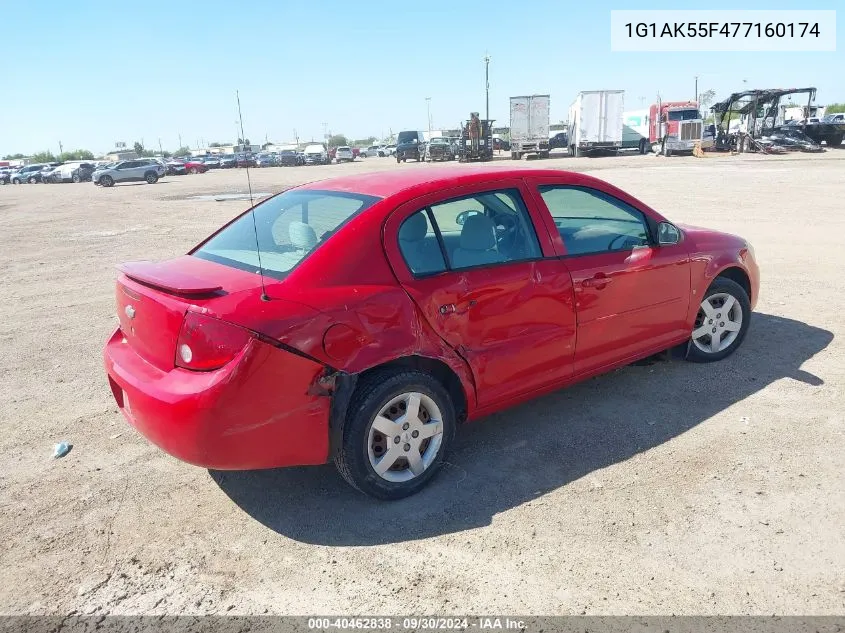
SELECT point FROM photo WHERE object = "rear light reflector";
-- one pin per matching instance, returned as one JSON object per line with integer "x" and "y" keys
{"x": 206, "y": 343}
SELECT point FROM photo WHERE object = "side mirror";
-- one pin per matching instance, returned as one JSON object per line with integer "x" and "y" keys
{"x": 667, "y": 234}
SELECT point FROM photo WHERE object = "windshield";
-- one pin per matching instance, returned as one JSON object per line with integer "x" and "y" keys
{"x": 439, "y": 141}
{"x": 683, "y": 115}
{"x": 290, "y": 226}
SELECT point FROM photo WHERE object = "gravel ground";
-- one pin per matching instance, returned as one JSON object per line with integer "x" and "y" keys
{"x": 669, "y": 488}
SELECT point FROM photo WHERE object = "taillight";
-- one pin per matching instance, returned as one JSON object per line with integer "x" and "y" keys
{"x": 206, "y": 343}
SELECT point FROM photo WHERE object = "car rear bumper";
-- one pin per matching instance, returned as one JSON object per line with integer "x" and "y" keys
{"x": 254, "y": 412}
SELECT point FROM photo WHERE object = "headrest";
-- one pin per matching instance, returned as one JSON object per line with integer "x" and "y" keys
{"x": 414, "y": 228}
{"x": 478, "y": 233}
{"x": 302, "y": 236}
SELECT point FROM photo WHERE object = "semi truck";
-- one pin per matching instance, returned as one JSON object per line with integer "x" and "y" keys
{"x": 595, "y": 121}
{"x": 674, "y": 126}
{"x": 530, "y": 126}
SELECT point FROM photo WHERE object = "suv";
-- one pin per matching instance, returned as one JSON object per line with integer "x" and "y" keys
{"x": 410, "y": 144}
{"x": 30, "y": 174}
{"x": 129, "y": 171}
{"x": 344, "y": 153}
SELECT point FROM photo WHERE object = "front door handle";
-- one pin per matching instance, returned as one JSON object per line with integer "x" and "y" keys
{"x": 598, "y": 281}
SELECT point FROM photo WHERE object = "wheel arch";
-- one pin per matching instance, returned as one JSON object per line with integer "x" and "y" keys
{"x": 435, "y": 368}
{"x": 343, "y": 386}
{"x": 738, "y": 275}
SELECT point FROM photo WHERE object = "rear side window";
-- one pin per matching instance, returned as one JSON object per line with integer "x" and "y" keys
{"x": 289, "y": 227}
{"x": 482, "y": 229}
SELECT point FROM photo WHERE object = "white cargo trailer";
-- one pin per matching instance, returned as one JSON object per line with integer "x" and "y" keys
{"x": 595, "y": 121}
{"x": 530, "y": 126}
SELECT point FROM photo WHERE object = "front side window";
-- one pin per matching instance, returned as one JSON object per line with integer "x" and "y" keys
{"x": 486, "y": 228}
{"x": 289, "y": 227}
{"x": 592, "y": 222}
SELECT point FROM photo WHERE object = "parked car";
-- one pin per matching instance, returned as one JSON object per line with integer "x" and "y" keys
{"x": 46, "y": 173}
{"x": 6, "y": 175}
{"x": 28, "y": 173}
{"x": 227, "y": 161}
{"x": 175, "y": 167}
{"x": 212, "y": 162}
{"x": 139, "y": 170}
{"x": 372, "y": 150}
{"x": 291, "y": 158}
{"x": 316, "y": 155}
{"x": 409, "y": 145}
{"x": 442, "y": 258}
{"x": 558, "y": 141}
{"x": 356, "y": 152}
{"x": 194, "y": 166}
{"x": 500, "y": 144}
{"x": 344, "y": 153}
{"x": 439, "y": 149}
{"x": 74, "y": 171}
{"x": 245, "y": 160}
{"x": 390, "y": 150}
{"x": 265, "y": 160}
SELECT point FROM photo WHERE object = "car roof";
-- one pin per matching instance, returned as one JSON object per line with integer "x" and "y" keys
{"x": 388, "y": 183}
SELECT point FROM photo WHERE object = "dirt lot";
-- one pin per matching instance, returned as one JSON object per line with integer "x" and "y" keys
{"x": 661, "y": 489}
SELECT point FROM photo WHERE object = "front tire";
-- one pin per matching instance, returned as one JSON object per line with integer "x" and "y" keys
{"x": 398, "y": 426}
{"x": 107, "y": 181}
{"x": 721, "y": 323}
{"x": 151, "y": 178}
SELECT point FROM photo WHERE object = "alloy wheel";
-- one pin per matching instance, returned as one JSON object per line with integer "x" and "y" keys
{"x": 718, "y": 323}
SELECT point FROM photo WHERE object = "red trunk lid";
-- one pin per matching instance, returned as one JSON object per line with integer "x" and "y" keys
{"x": 152, "y": 299}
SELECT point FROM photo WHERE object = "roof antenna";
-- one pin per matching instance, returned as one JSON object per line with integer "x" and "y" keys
{"x": 264, "y": 295}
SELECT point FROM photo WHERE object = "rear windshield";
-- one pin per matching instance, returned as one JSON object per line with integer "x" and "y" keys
{"x": 289, "y": 227}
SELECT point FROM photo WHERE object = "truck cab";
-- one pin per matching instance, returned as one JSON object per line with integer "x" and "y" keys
{"x": 675, "y": 125}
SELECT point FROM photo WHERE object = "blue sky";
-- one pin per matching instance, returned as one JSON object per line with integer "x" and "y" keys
{"x": 87, "y": 74}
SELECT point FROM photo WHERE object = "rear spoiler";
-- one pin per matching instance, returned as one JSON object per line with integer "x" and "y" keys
{"x": 164, "y": 277}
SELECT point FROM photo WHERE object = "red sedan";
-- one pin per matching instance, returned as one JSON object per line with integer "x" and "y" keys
{"x": 362, "y": 319}
{"x": 195, "y": 167}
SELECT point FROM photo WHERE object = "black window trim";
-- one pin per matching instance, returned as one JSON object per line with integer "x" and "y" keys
{"x": 650, "y": 224}
{"x": 443, "y": 253}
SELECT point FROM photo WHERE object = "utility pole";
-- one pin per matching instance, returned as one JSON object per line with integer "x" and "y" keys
{"x": 428, "y": 113}
{"x": 180, "y": 141}
{"x": 61, "y": 151}
{"x": 696, "y": 88}
{"x": 160, "y": 151}
{"x": 487, "y": 84}
{"x": 326, "y": 133}
{"x": 295, "y": 136}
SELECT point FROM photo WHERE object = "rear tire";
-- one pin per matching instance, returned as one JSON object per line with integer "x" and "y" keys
{"x": 16, "y": 181}
{"x": 643, "y": 146}
{"x": 382, "y": 400}
{"x": 75, "y": 178}
{"x": 721, "y": 323}
{"x": 32, "y": 180}
{"x": 544, "y": 154}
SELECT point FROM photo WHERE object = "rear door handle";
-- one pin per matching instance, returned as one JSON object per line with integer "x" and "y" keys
{"x": 451, "y": 308}
{"x": 599, "y": 281}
